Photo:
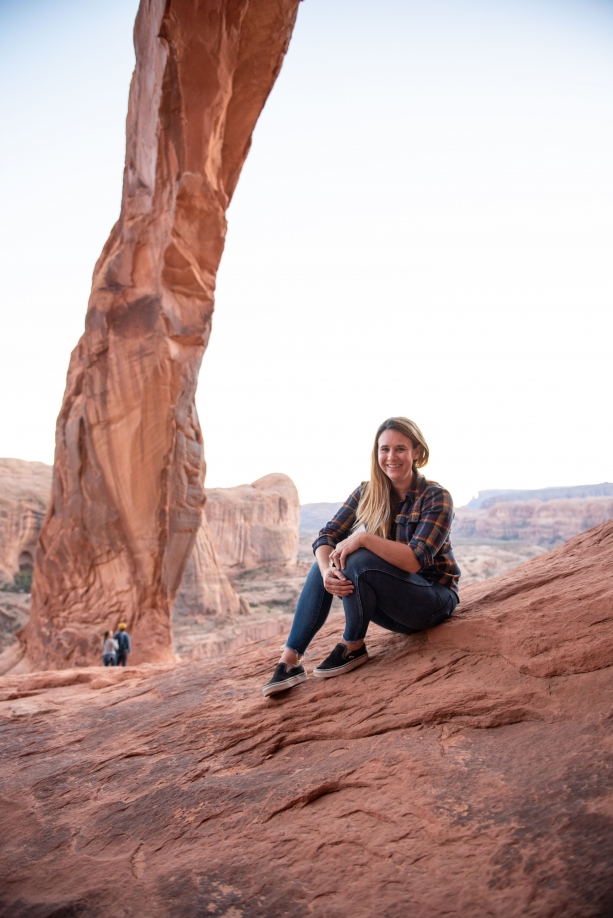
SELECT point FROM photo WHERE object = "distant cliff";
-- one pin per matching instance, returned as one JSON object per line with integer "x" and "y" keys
{"x": 487, "y": 499}
{"x": 541, "y": 522}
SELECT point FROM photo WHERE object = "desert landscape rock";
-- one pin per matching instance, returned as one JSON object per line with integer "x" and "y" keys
{"x": 25, "y": 488}
{"x": 129, "y": 467}
{"x": 255, "y": 524}
{"x": 546, "y": 523}
{"x": 488, "y": 498}
{"x": 465, "y": 771}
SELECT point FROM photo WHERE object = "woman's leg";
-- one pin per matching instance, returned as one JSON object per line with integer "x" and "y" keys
{"x": 311, "y": 612}
{"x": 392, "y": 598}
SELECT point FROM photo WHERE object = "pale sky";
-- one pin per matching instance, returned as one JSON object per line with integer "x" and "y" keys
{"x": 424, "y": 226}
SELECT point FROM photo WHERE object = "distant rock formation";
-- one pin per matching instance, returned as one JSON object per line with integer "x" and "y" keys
{"x": 314, "y": 516}
{"x": 129, "y": 469}
{"x": 255, "y": 524}
{"x": 25, "y": 488}
{"x": 205, "y": 590}
{"x": 487, "y": 499}
{"x": 545, "y": 523}
{"x": 464, "y": 771}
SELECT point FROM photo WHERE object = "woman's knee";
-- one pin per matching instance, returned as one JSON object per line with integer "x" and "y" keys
{"x": 359, "y": 561}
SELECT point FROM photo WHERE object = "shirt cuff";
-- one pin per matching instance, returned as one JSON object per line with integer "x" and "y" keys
{"x": 323, "y": 540}
{"x": 420, "y": 554}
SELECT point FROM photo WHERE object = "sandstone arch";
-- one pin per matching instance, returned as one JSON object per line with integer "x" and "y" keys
{"x": 129, "y": 466}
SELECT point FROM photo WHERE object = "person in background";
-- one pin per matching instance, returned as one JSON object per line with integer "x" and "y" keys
{"x": 109, "y": 649}
{"x": 386, "y": 553}
{"x": 123, "y": 643}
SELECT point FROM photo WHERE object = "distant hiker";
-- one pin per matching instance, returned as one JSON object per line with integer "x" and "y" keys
{"x": 123, "y": 643}
{"x": 386, "y": 553}
{"x": 109, "y": 649}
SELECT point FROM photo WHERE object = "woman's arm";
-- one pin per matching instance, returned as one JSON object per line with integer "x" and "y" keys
{"x": 394, "y": 552}
{"x": 430, "y": 535}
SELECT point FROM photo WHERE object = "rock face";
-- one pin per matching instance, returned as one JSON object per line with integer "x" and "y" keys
{"x": 25, "y": 488}
{"x": 464, "y": 772}
{"x": 205, "y": 589}
{"x": 255, "y": 524}
{"x": 128, "y": 481}
{"x": 546, "y": 523}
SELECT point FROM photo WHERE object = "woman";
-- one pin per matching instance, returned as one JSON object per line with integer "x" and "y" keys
{"x": 109, "y": 649}
{"x": 386, "y": 553}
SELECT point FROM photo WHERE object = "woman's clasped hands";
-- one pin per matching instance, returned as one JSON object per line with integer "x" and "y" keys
{"x": 335, "y": 581}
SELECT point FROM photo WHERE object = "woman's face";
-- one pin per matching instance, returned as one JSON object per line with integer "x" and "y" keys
{"x": 396, "y": 455}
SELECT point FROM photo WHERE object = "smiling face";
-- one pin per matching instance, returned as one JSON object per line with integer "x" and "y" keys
{"x": 396, "y": 455}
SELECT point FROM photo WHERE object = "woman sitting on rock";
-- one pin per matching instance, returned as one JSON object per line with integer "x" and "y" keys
{"x": 386, "y": 553}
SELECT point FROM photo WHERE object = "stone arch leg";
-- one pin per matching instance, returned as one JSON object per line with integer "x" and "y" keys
{"x": 129, "y": 465}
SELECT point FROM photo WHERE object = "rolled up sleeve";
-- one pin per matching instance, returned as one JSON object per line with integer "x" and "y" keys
{"x": 433, "y": 528}
{"x": 341, "y": 524}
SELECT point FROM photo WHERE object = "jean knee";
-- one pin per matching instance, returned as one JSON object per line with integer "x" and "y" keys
{"x": 357, "y": 562}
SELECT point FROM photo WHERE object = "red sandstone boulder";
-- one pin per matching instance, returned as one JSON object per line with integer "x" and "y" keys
{"x": 463, "y": 772}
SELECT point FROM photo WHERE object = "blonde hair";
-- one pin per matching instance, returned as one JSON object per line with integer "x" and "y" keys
{"x": 375, "y": 506}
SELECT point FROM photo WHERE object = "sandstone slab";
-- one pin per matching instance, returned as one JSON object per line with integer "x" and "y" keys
{"x": 466, "y": 771}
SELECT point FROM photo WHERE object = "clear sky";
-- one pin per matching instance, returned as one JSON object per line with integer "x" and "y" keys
{"x": 424, "y": 226}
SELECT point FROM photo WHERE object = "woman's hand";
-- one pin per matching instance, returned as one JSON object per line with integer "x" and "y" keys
{"x": 345, "y": 548}
{"x": 336, "y": 583}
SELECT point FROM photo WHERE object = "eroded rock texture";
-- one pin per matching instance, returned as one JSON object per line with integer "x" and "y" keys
{"x": 24, "y": 496}
{"x": 255, "y": 524}
{"x": 205, "y": 589}
{"x": 463, "y": 772}
{"x": 128, "y": 475}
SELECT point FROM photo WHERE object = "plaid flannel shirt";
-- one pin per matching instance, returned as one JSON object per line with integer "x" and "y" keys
{"x": 423, "y": 521}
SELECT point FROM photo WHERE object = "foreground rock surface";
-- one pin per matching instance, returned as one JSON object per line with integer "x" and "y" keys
{"x": 129, "y": 467}
{"x": 466, "y": 771}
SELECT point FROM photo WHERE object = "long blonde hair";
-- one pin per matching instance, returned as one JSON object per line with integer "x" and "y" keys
{"x": 375, "y": 507}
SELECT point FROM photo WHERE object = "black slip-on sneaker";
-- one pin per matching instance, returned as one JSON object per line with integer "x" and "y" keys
{"x": 284, "y": 677}
{"x": 340, "y": 661}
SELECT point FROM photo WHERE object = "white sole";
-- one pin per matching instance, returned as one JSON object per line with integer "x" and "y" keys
{"x": 339, "y": 670}
{"x": 283, "y": 686}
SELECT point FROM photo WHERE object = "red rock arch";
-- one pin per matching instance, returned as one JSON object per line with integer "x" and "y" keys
{"x": 129, "y": 467}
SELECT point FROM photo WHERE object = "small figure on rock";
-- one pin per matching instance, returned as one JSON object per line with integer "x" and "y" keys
{"x": 109, "y": 649}
{"x": 386, "y": 553}
{"x": 124, "y": 645}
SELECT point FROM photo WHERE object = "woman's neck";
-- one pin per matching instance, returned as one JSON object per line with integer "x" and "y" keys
{"x": 400, "y": 490}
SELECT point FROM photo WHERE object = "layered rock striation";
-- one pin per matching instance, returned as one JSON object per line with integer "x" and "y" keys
{"x": 129, "y": 468}
{"x": 255, "y": 524}
{"x": 25, "y": 488}
{"x": 464, "y": 771}
{"x": 545, "y": 523}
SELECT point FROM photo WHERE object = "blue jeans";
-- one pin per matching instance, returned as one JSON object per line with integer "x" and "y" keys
{"x": 109, "y": 659}
{"x": 384, "y": 594}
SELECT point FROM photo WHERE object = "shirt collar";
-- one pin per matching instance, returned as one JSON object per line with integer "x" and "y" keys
{"x": 418, "y": 486}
